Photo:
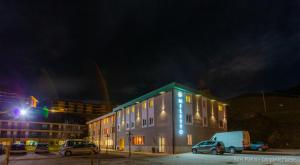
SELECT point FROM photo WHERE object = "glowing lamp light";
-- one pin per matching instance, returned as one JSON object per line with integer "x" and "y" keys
{"x": 180, "y": 132}
{"x": 179, "y": 94}
{"x": 23, "y": 112}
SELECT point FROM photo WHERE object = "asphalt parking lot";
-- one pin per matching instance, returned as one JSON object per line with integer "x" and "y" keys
{"x": 150, "y": 159}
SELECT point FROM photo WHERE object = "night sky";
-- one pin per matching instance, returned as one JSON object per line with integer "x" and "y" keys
{"x": 50, "y": 48}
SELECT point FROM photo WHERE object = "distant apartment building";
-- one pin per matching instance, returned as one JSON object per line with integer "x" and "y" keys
{"x": 82, "y": 107}
{"x": 51, "y": 121}
{"x": 28, "y": 132}
{"x": 169, "y": 120}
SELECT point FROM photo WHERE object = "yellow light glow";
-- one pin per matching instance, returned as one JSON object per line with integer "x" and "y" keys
{"x": 188, "y": 99}
{"x": 151, "y": 103}
{"x": 144, "y": 105}
{"x": 220, "y": 108}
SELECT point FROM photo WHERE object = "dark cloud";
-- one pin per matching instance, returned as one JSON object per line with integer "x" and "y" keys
{"x": 49, "y": 48}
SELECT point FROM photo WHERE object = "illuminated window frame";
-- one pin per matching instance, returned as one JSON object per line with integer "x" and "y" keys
{"x": 189, "y": 139}
{"x": 151, "y": 103}
{"x": 138, "y": 140}
{"x": 188, "y": 99}
{"x": 220, "y": 107}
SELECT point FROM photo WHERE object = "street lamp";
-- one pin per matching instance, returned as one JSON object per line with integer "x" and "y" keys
{"x": 23, "y": 112}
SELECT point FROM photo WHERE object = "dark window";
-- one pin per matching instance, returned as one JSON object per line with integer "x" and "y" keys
{"x": 151, "y": 121}
{"x": 204, "y": 121}
{"x": 144, "y": 122}
{"x": 221, "y": 124}
{"x": 188, "y": 119}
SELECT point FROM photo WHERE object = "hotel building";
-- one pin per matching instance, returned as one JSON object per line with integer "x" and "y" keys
{"x": 169, "y": 120}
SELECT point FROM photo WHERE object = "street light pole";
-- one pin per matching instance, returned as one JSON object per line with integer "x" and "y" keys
{"x": 129, "y": 143}
{"x": 107, "y": 135}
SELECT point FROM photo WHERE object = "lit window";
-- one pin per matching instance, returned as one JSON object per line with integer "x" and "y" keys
{"x": 151, "y": 103}
{"x": 189, "y": 139}
{"x": 220, "y": 108}
{"x": 188, "y": 99}
{"x": 105, "y": 131}
{"x": 138, "y": 140}
{"x": 132, "y": 110}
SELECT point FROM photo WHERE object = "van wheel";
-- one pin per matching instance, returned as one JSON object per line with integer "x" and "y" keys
{"x": 214, "y": 152}
{"x": 232, "y": 150}
{"x": 194, "y": 151}
{"x": 68, "y": 153}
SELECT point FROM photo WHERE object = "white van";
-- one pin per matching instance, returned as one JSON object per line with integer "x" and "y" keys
{"x": 78, "y": 146}
{"x": 235, "y": 141}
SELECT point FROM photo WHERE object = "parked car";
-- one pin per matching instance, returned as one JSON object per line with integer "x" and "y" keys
{"x": 18, "y": 149}
{"x": 42, "y": 148}
{"x": 75, "y": 147}
{"x": 1, "y": 149}
{"x": 258, "y": 146}
{"x": 235, "y": 141}
{"x": 212, "y": 147}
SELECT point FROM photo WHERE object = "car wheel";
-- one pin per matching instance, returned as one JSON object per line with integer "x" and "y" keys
{"x": 232, "y": 150}
{"x": 260, "y": 149}
{"x": 68, "y": 153}
{"x": 214, "y": 152}
{"x": 194, "y": 151}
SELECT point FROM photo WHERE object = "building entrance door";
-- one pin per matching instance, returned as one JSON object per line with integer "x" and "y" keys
{"x": 121, "y": 144}
{"x": 162, "y": 144}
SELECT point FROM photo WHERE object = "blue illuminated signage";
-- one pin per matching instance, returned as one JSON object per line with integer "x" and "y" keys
{"x": 180, "y": 113}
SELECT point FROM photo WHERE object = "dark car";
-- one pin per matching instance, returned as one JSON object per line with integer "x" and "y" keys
{"x": 18, "y": 149}
{"x": 212, "y": 147}
{"x": 258, "y": 146}
{"x": 42, "y": 148}
{"x": 1, "y": 149}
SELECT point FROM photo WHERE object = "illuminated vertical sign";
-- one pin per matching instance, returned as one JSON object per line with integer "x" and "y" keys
{"x": 180, "y": 113}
